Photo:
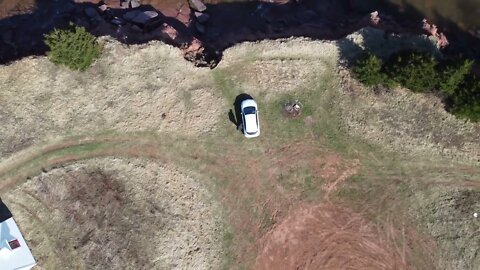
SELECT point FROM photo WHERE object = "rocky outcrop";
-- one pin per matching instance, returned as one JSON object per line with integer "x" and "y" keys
{"x": 130, "y": 4}
{"x": 432, "y": 30}
{"x": 141, "y": 17}
{"x": 197, "y": 5}
{"x": 201, "y": 17}
{"x": 201, "y": 55}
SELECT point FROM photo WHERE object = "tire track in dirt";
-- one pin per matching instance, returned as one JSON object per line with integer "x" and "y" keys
{"x": 329, "y": 236}
{"x": 32, "y": 161}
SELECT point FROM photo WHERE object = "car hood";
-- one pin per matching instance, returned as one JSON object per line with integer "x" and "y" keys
{"x": 251, "y": 123}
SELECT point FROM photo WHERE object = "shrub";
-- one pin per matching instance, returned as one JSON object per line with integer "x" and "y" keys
{"x": 454, "y": 74}
{"x": 369, "y": 71}
{"x": 465, "y": 101}
{"x": 73, "y": 47}
{"x": 421, "y": 72}
{"x": 415, "y": 71}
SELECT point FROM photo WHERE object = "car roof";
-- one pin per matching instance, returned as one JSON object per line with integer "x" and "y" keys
{"x": 248, "y": 103}
{"x": 251, "y": 123}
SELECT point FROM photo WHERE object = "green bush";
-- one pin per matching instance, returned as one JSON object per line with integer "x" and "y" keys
{"x": 415, "y": 71}
{"x": 465, "y": 101}
{"x": 73, "y": 47}
{"x": 421, "y": 72}
{"x": 369, "y": 71}
{"x": 454, "y": 74}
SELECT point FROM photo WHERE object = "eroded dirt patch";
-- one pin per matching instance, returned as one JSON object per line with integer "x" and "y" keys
{"x": 118, "y": 214}
{"x": 326, "y": 236}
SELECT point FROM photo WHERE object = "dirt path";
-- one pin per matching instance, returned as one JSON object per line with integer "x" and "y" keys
{"x": 32, "y": 161}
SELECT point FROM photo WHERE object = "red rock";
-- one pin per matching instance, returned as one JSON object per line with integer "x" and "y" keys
{"x": 197, "y": 5}
{"x": 202, "y": 17}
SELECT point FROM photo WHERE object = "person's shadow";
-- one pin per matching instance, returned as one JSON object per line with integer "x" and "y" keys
{"x": 236, "y": 116}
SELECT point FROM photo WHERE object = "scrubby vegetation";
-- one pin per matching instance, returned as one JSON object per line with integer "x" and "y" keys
{"x": 369, "y": 71}
{"x": 421, "y": 72}
{"x": 73, "y": 47}
{"x": 414, "y": 71}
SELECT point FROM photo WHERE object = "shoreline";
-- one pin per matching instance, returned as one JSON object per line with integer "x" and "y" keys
{"x": 203, "y": 31}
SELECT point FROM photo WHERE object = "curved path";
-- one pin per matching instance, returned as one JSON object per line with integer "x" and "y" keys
{"x": 33, "y": 160}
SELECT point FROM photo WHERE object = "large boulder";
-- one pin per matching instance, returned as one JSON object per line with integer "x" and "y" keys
{"x": 202, "y": 17}
{"x": 91, "y": 13}
{"x": 141, "y": 17}
{"x": 129, "y": 16}
{"x": 197, "y": 5}
{"x": 103, "y": 8}
{"x": 134, "y": 3}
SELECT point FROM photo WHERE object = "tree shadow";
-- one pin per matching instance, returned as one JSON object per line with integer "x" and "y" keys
{"x": 382, "y": 44}
{"x": 229, "y": 23}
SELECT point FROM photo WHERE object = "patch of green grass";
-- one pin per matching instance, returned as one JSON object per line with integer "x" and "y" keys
{"x": 349, "y": 194}
{"x": 224, "y": 83}
{"x": 187, "y": 99}
{"x": 312, "y": 187}
{"x": 228, "y": 243}
{"x": 386, "y": 181}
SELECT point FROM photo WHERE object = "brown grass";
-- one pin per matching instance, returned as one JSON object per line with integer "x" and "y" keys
{"x": 117, "y": 214}
{"x": 297, "y": 169}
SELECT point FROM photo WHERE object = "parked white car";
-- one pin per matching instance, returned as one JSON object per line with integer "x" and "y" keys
{"x": 250, "y": 122}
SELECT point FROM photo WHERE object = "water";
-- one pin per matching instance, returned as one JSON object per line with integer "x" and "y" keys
{"x": 463, "y": 13}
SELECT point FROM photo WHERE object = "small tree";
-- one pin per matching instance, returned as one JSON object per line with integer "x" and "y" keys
{"x": 415, "y": 71}
{"x": 369, "y": 71}
{"x": 454, "y": 75}
{"x": 73, "y": 47}
{"x": 465, "y": 101}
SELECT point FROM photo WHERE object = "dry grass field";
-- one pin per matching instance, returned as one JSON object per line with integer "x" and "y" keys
{"x": 134, "y": 164}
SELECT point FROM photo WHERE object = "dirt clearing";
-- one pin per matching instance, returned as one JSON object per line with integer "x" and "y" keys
{"x": 118, "y": 214}
{"x": 327, "y": 236}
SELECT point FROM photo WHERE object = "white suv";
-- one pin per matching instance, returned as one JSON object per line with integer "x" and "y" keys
{"x": 250, "y": 123}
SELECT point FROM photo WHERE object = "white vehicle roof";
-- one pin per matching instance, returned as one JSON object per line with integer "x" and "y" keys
{"x": 19, "y": 258}
{"x": 251, "y": 123}
{"x": 248, "y": 103}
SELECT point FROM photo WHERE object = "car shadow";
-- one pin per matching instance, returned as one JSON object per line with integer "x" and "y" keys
{"x": 236, "y": 115}
{"x": 231, "y": 117}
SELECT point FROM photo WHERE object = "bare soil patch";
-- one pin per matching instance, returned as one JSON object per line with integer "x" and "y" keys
{"x": 327, "y": 236}
{"x": 118, "y": 214}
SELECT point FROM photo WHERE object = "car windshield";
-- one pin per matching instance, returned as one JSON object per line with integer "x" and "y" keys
{"x": 249, "y": 110}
